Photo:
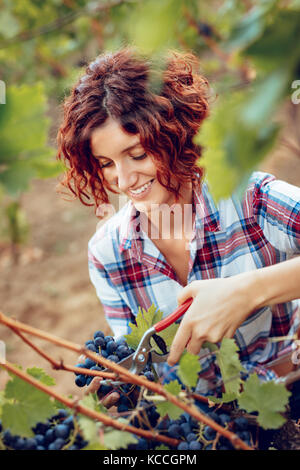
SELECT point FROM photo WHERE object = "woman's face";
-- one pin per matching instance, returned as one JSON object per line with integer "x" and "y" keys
{"x": 126, "y": 167}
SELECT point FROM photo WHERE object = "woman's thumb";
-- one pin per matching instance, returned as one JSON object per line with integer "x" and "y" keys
{"x": 184, "y": 294}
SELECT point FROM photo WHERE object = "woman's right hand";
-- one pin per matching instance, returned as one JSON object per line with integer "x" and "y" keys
{"x": 108, "y": 400}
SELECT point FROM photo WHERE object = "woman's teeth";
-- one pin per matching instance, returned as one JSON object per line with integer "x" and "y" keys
{"x": 141, "y": 189}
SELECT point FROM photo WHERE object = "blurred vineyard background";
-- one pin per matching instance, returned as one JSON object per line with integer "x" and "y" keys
{"x": 250, "y": 53}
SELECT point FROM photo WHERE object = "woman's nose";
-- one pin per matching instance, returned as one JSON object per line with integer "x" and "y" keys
{"x": 125, "y": 177}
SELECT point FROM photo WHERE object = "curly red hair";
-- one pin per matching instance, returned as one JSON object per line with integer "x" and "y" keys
{"x": 165, "y": 105}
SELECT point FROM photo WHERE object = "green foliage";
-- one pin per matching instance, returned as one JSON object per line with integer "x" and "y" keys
{"x": 230, "y": 365}
{"x": 144, "y": 320}
{"x": 115, "y": 439}
{"x": 189, "y": 368}
{"x": 167, "y": 408}
{"x": 24, "y": 405}
{"x": 268, "y": 399}
{"x": 24, "y": 131}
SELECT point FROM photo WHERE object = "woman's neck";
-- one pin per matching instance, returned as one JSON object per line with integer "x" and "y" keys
{"x": 171, "y": 221}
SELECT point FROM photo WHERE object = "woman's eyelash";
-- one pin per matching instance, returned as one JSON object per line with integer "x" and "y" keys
{"x": 140, "y": 157}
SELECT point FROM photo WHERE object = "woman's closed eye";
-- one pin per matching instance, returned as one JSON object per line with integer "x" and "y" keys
{"x": 140, "y": 157}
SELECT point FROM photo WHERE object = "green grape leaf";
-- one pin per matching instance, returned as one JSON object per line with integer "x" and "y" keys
{"x": 162, "y": 447}
{"x": 89, "y": 426}
{"x": 25, "y": 405}
{"x": 167, "y": 408}
{"x": 226, "y": 398}
{"x": 91, "y": 401}
{"x": 188, "y": 370}
{"x": 22, "y": 159}
{"x": 266, "y": 398}
{"x": 230, "y": 366}
{"x": 40, "y": 374}
{"x": 95, "y": 446}
{"x": 153, "y": 28}
{"x": 115, "y": 439}
{"x": 144, "y": 320}
{"x": 233, "y": 147}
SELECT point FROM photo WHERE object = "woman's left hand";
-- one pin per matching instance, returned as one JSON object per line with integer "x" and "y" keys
{"x": 218, "y": 309}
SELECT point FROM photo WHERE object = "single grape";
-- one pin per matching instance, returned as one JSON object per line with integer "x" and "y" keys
{"x": 113, "y": 358}
{"x": 191, "y": 437}
{"x": 88, "y": 363}
{"x": 175, "y": 431}
{"x": 195, "y": 445}
{"x": 241, "y": 423}
{"x": 80, "y": 380}
{"x": 99, "y": 342}
{"x": 183, "y": 446}
{"x": 92, "y": 347}
{"x": 98, "y": 334}
{"x": 111, "y": 347}
{"x": 61, "y": 430}
{"x": 209, "y": 433}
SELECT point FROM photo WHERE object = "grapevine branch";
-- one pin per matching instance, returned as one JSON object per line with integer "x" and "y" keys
{"x": 127, "y": 376}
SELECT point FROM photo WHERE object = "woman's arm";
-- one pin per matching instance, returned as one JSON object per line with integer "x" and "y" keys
{"x": 221, "y": 305}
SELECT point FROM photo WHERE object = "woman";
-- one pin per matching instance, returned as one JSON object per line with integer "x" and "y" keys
{"x": 129, "y": 129}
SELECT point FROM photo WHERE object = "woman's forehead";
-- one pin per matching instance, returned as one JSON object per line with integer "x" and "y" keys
{"x": 110, "y": 138}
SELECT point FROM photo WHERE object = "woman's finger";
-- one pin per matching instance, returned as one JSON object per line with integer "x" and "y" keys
{"x": 110, "y": 399}
{"x": 178, "y": 345}
{"x": 94, "y": 386}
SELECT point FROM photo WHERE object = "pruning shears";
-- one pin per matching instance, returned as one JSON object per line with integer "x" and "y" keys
{"x": 138, "y": 360}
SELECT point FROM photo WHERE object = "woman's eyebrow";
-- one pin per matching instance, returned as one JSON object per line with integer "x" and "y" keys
{"x": 123, "y": 151}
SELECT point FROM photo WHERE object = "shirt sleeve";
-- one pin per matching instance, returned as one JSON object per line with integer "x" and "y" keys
{"x": 117, "y": 313}
{"x": 276, "y": 209}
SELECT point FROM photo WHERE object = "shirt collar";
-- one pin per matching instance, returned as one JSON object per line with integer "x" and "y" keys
{"x": 207, "y": 219}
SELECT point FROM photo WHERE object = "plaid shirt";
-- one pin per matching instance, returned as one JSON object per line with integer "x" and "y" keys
{"x": 128, "y": 270}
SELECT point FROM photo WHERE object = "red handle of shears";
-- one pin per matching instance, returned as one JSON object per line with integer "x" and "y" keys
{"x": 165, "y": 322}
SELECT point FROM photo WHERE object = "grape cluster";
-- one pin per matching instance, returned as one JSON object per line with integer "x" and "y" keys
{"x": 109, "y": 348}
{"x": 58, "y": 433}
{"x": 190, "y": 433}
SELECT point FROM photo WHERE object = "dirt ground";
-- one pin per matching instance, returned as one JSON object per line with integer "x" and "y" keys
{"x": 50, "y": 288}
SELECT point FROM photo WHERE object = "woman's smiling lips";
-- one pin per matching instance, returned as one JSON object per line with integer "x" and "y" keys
{"x": 142, "y": 192}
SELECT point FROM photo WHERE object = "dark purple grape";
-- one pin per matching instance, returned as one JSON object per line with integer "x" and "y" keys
{"x": 183, "y": 446}
{"x": 89, "y": 363}
{"x": 80, "y": 380}
{"x": 209, "y": 433}
{"x": 186, "y": 428}
{"x": 98, "y": 334}
{"x": 225, "y": 419}
{"x": 149, "y": 376}
{"x": 113, "y": 358}
{"x": 100, "y": 342}
{"x": 195, "y": 445}
{"x": 108, "y": 339}
{"x": 111, "y": 347}
{"x": 241, "y": 423}
{"x": 57, "y": 444}
{"x": 61, "y": 430}
{"x": 29, "y": 444}
{"x": 92, "y": 347}
{"x": 175, "y": 431}
{"x": 191, "y": 437}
